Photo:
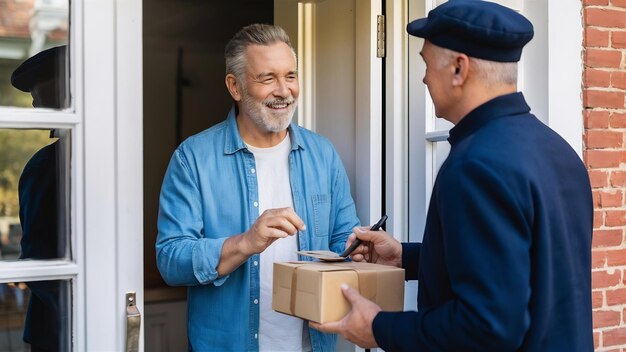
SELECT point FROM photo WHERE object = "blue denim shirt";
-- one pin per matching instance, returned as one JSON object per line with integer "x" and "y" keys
{"x": 210, "y": 193}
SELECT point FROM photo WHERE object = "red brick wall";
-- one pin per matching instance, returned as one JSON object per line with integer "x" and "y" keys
{"x": 605, "y": 156}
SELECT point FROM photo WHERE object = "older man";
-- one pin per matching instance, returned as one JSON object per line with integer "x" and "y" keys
{"x": 245, "y": 193}
{"x": 505, "y": 264}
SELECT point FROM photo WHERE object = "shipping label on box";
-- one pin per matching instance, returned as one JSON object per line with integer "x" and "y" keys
{"x": 311, "y": 290}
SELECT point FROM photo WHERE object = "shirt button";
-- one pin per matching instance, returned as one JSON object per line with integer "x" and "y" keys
{"x": 256, "y": 301}
{"x": 256, "y": 204}
{"x": 252, "y": 170}
{"x": 256, "y": 336}
{"x": 256, "y": 263}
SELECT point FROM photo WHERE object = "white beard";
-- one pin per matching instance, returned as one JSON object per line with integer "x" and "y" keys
{"x": 264, "y": 116}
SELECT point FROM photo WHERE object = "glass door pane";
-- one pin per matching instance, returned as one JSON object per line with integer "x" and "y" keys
{"x": 34, "y": 35}
{"x": 34, "y": 204}
{"x": 35, "y": 316}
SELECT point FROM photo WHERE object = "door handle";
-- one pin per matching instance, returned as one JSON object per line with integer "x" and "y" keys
{"x": 133, "y": 323}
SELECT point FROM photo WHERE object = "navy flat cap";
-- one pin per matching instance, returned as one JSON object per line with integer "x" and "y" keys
{"x": 44, "y": 66}
{"x": 477, "y": 28}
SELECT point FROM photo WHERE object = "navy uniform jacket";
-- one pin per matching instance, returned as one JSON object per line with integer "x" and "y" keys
{"x": 505, "y": 264}
{"x": 46, "y": 324}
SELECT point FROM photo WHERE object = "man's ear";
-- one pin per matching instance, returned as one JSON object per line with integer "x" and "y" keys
{"x": 233, "y": 86}
{"x": 461, "y": 69}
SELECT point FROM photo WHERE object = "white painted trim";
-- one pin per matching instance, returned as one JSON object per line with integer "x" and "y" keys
{"x": 396, "y": 107}
{"x": 77, "y": 213}
{"x": 113, "y": 168}
{"x": 37, "y": 120}
{"x": 77, "y": 235}
{"x": 37, "y": 115}
{"x": 368, "y": 113}
{"x": 565, "y": 71}
{"x": 102, "y": 323}
{"x": 129, "y": 157}
{"x": 419, "y": 110}
{"x": 306, "y": 65}
{"x": 37, "y": 270}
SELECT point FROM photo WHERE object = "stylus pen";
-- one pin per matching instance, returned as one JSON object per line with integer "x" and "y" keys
{"x": 357, "y": 241}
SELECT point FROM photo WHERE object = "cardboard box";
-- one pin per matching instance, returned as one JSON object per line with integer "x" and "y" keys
{"x": 311, "y": 290}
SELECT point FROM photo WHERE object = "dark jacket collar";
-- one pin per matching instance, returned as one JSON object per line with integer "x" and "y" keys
{"x": 504, "y": 105}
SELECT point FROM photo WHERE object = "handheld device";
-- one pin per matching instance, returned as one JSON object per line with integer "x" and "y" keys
{"x": 357, "y": 241}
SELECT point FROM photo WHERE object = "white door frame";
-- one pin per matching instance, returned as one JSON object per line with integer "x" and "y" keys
{"x": 397, "y": 122}
{"x": 368, "y": 108}
{"x": 113, "y": 164}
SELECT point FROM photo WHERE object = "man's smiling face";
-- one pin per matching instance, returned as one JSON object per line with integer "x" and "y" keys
{"x": 269, "y": 94}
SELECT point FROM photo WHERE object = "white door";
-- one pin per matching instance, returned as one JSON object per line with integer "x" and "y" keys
{"x": 71, "y": 200}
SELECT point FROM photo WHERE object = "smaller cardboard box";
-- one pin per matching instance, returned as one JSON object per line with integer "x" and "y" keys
{"x": 311, "y": 290}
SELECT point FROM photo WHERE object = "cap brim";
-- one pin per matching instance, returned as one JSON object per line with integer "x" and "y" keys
{"x": 43, "y": 66}
{"x": 418, "y": 27}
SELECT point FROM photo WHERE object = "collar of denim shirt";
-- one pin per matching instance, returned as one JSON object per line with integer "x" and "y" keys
{"x": 234, "y": 142}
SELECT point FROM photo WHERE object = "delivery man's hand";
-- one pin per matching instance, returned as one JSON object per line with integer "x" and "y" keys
{"x": 378, "y": 247}
{"x": 270, "y": 226}
{"x": 356, "y": 326}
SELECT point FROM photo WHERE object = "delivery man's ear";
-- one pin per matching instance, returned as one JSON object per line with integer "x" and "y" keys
{"x": 461, "y": 69}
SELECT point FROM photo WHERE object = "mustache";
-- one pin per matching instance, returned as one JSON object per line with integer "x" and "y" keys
{"x": 279, "y": 101}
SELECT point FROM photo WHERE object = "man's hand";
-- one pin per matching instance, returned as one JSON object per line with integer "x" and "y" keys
{"x": 356, "y": 326}
{"x": 377, "y": 247}
{"x": 270, "y": 226}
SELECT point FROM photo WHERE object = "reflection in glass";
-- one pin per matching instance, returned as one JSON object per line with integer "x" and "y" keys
{"x": 27, "y": 29}
{"x": 35, "y": 316}
{"x": 34, "y": 203}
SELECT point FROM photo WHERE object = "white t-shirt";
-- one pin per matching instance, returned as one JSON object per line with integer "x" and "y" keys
{"x": 277, "y": 331}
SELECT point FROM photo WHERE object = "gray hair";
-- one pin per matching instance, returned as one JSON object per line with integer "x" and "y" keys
{"x": 494, "y": 72}
{"x": 259, "y": 34}
{"x": 491, "y": 72}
